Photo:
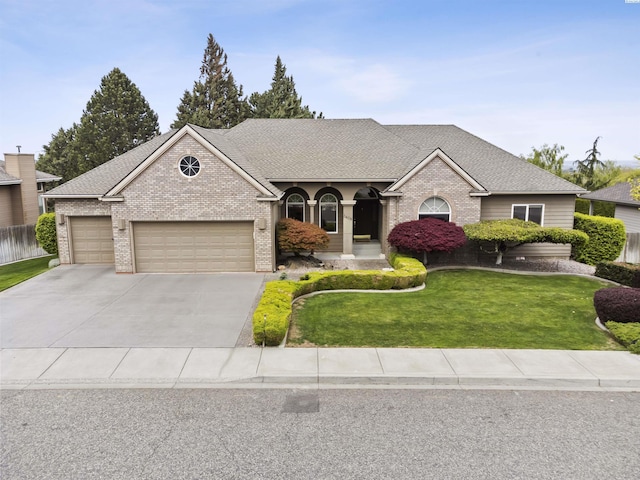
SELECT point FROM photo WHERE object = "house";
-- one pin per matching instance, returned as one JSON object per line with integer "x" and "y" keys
{"x": 199, "y": 200}
{"x": 627, "y": 208}
{"x": 21, "y": 189}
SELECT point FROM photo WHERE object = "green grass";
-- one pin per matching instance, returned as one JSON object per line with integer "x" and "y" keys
{"x": 14, "y": 273}
{"x": 459, "y": 309}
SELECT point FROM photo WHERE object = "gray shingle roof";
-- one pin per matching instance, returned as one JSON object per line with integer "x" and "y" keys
{"x": 271, "y": 150}
{"x": 496, "y": 170}
{"x": 322, "y": 149}
{"x": 106, "y": 176}
{"x": 227, "y": 147}
{"x": 7, "y": 179}
{"x": 618, "y": 193}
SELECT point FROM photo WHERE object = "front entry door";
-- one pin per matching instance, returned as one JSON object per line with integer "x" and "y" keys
{"x": 365, "y": 218}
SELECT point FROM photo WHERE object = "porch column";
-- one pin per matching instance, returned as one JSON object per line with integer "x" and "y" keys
{"x": 384, "y": 232}
{"x": 312, "y": 210}
{"x": 347, "y": 228}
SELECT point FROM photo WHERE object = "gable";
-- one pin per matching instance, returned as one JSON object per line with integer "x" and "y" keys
{"x": 438, "y": 156}
{"x": 180, "y": 145}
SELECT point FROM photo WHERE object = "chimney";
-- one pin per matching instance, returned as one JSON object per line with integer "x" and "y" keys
{"x": 23, "y": 166}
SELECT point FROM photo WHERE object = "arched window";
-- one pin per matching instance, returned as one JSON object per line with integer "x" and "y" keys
{"x": 295, "y": 207}
{"x": 329, "y": 212}
{"x": 435, "y": 207}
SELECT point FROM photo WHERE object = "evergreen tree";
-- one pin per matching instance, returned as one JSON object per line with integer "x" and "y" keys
{"x": 215, "y": 100}
{"x": 61, "y": 156}
{"x": 281, "y": 100}
{"x": 116, "y": 119}
{"x": 586, "y": 169}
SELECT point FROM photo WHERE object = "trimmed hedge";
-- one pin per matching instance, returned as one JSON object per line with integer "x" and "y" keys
{"x": 606, "y": 238}
{"x": 618, "y": 304}
{"x": 623, "y": 273}
{"x": 602, "y": 209}
{"x": 46, "y": 234}
{"x": 271, "y": 317}
{"x": 628, "y": 334}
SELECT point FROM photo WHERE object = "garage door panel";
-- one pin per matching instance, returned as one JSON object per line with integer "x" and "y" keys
{"x": 193, "y": 246}
{"x": 92, "y": 240}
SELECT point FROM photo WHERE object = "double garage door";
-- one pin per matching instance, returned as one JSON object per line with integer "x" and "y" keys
{"x": 184, "y": 247}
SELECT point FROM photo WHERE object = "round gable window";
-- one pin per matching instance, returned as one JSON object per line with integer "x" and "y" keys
{"x": 189, "y": 166}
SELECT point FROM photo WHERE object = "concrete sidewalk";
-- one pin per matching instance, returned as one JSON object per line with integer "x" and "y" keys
{"x": 50, "y": 368}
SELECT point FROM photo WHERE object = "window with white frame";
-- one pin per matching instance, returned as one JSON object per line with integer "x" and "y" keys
{"x": 329, "y": 213}
{"x": 435, "y": 207}
{"x": 189, "y": 166}
{"x": 295, "y": 207}
{"x": 530, "y": 212}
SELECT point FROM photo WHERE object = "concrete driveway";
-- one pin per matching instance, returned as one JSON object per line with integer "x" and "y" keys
{"x": 91, "y": 306}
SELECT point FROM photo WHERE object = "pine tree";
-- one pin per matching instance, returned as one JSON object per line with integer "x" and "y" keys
{"x": 281, "y": 100}
{"x": 215, "y": 101}
{"x": 116, "y": 119}
{"x": 61, "y": 156}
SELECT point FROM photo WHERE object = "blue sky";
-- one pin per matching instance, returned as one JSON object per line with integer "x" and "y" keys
{"x": 518, "y": 73}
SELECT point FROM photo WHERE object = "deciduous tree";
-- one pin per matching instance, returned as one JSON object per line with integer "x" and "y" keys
{"x": 549, "y": 158}
{"x": 503, "y": 235}
{"x": 297, "y": 237}
{"x": 427, "y": 235}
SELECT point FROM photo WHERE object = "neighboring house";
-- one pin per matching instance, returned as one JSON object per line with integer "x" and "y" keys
{"x": 627, "y": 209}
{"x": 21, "y": 189}
{"x": 196, "y": 200}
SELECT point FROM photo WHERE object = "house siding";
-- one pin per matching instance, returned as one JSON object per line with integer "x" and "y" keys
{"x": 630, "y": 216}
{"x": 217, "y": 193}
{"x": 6, "y": 212}
{"x": 558, "y": 212}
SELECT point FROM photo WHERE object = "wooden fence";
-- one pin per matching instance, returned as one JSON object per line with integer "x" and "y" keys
{"x": 631, "y": 251}
{"x": 19, "y": 242}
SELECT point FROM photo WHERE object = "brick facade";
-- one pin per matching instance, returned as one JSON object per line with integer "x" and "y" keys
{"x": 162, "y": 193}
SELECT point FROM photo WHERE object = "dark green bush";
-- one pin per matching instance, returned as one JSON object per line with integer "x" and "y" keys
{"x": 623, "y": 273}
{"x": 628, "y": 334}
{"x": 618, "y": 304}
{"x": 46, "y": 233}
{"x": 602, "y": 209}
{"x": 271, "y": 317}
{"x": 606, "y": 239}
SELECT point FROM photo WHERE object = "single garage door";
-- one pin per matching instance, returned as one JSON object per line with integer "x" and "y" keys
{"x": 185, "y": 247}
{"x": 92, "y": 240}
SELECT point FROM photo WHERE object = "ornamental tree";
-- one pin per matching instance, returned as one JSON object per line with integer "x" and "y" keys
{"x": 504, "y": 235}
{"x": 426, "y": 235}
{"x": 297, "y": 237}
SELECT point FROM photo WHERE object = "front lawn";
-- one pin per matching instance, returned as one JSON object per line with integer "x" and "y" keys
{"x": 17, "y": 272}
{"x": 459, "y": 309}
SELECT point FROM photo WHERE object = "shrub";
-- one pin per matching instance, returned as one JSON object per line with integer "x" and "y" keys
{"x": 628, "y": 334}
{"x": 296, "y": 236}
{"x": 623, "y": 273}
{"x": 602, "y": 209}
{"x": 427, "y": 235}
{"x": 506, "y": 234}
{"x": 46, "y": 233}
{"x": 606, "y": 238}
{"x": 618, "y": 304}
{"x": 271, "y": 317}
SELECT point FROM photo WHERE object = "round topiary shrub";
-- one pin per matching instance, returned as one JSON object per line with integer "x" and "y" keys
{"x": 46, "y": 233}
{"x": 618, "y": 304}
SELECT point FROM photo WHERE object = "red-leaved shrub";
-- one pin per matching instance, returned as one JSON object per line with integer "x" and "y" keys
{"x": 617, "y": 304}
{"x": 427, "y": 235}
{"x": 296, "y": 236}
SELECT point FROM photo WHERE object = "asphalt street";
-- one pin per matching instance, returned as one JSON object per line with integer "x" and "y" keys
{"x": 332, "y": 433}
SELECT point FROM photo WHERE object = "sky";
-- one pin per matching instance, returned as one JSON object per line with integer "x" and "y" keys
{"x": 517, "y": 73}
